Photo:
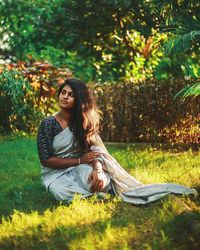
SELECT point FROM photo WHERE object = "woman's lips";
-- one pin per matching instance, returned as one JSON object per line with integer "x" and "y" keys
{"x": 65, "y": 102}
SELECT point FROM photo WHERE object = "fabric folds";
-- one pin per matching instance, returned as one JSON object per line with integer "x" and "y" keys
{"x": 64, "y": 183}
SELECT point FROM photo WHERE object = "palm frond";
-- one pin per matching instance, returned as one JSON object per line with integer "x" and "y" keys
{"x": 182, "y": 43}
{"x": 193, "y": 90}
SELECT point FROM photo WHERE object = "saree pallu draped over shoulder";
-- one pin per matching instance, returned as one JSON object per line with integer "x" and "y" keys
{"x": 121, "y": 182}
{"x": 65, "y": 183}
{"x": 130, "y": 189}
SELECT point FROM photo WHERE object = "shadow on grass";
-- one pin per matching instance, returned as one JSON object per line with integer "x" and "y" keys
{"x": 182, "y": 230}
{"x": 33, "y": 196}
{"x": 26, "y": 198}
{"x": 58, "y": 239}
{"x": 63, "y": 236}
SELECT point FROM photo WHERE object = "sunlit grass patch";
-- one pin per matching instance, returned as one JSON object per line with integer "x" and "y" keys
{"x": 32, "y": 219}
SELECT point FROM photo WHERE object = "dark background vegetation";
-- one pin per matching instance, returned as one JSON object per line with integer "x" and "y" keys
{"x": 141, "y": 61}
{"x": 135, "y": 55}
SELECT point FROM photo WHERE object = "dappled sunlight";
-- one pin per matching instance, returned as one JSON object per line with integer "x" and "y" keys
{"x": 78, "y": 213}
{"x": 32, "y": 219}
{"x": 138, "y": 63}
{"x": 110, "y": 225}
{"x": 116, "y": 238}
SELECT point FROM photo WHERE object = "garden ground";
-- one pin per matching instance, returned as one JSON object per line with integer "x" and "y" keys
{"x": 31, "y": 219}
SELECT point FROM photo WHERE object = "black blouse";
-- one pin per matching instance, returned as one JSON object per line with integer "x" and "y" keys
{"x": 47, "y": 130}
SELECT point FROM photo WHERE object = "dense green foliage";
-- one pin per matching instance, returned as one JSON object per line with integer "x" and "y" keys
{"x": 17, "y": 111}
{"x": 106, "y": 39}
{"x": 182, "y": 21}
{"x": 96, "y": 39}
{"x": 32, "y": 220}
{"x": 123, "y": 41}
{"x": 26, "y": 94}
{"x": 117, "y": 43}
{"x": 145, "y": 114}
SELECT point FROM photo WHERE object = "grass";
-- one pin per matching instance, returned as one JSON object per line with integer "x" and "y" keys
{"x": 31, "y": 219}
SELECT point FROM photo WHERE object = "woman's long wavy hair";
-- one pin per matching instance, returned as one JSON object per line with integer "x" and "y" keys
{"x": 85, "y": 118}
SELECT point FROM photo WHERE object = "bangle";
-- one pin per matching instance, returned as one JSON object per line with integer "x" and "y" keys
{"x": 79, "y": 160}
{"x": 98, "y": 169}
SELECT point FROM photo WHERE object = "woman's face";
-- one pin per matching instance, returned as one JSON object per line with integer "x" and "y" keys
{"x": 66, "y": 98}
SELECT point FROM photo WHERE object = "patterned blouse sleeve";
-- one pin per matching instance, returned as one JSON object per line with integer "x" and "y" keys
{"x": 44, "y": 140}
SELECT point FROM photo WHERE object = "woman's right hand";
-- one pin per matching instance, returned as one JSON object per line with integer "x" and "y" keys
{"x": 89, "y": 156}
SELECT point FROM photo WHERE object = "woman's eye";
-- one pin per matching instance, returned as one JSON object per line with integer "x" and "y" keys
{"x": 70, "y": 94}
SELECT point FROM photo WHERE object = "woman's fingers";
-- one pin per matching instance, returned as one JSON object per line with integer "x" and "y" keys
{"x": 93, "y": 156}
{"x": 100, "y": 186}
{"x": 95, "y": 153}
{"x": 89, "y": 177}
{"x": 94, "y": 186}
{"x": 97, "y": 186}
{"x": 90, "y": 156}
{"x": 96, "y": 181}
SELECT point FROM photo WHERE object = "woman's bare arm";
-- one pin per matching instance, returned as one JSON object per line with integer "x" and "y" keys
{"x": 60, "y": 163}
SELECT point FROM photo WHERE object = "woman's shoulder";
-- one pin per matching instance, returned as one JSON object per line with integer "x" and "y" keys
{"x": 48, "y": 122}
{"x": 48, "y": 119}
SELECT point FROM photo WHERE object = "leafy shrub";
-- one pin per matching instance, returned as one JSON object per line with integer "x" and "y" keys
{"x": 147, "y": 112}
{"x": 131, "y": 112}
{"x": 17, "y": 111}
{"x": 27, "y": 92}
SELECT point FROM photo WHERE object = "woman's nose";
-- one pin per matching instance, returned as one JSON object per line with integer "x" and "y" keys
{"x": 66, "y": 96}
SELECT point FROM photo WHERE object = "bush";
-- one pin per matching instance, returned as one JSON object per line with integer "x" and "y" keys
{"x": 131, "y": 112}
{"x": 27, "y": 92}
{"x": 146, "y": 112}
{"x": 17, "y": 111}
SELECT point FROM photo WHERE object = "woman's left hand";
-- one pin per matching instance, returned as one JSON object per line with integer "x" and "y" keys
{"x": 96, "y": 180}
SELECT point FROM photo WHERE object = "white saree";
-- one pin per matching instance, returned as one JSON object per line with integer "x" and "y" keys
{"x": 65, "y": 183}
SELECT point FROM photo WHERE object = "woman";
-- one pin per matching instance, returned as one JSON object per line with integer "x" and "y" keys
{"x": 74, "y": 159}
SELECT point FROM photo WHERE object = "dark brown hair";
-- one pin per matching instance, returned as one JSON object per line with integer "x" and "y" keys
{"x": 85, "y": 117}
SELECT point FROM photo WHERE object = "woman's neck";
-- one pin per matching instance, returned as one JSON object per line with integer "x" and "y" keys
{"x": 65, "y": 115}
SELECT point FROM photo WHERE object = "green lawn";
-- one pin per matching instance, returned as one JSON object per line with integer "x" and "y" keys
{"x": 31, "y": 219}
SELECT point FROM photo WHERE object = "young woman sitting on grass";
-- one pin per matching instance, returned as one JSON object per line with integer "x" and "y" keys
{"x": 74, "y": 159}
